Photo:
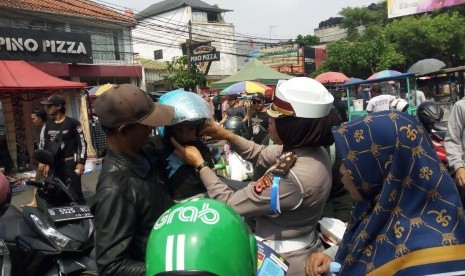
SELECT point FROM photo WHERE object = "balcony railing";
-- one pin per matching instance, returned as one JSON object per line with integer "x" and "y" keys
{"x": 112, "y": 57}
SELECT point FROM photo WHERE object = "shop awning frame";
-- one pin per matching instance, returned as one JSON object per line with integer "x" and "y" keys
{"x": 20, "y": 76}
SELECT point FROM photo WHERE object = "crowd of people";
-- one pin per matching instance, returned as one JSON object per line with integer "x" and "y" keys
{"x": 405, "y": 203}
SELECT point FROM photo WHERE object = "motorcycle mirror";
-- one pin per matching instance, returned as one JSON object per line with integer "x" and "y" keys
{"x": 44, "y": 157}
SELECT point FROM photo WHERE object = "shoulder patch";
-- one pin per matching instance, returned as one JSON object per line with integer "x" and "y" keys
{"x": 285, "y": 163}
{"x": 263, "y": 183}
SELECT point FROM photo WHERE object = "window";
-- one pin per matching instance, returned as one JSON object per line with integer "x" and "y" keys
{"x": 199, "y": 17}
{"x": 107, "y": 44}
{"x": 212, "y": 17}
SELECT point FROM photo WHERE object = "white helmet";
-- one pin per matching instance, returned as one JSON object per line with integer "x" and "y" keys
{"x": 301, "y": 97}
{"x": 399, "y": 105}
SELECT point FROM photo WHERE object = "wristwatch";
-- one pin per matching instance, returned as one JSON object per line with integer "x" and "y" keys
{"x": 201, "y": 166}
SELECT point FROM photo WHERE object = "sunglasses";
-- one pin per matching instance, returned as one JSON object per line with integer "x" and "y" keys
{"x": 257, "y": 101}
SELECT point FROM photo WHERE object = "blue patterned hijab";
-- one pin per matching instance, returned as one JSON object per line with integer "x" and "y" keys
{"x": 411, "y": 221}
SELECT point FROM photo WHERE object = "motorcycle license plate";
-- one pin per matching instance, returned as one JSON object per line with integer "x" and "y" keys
{"x": 3, "y": 248}
{"x": 69, "y": 213}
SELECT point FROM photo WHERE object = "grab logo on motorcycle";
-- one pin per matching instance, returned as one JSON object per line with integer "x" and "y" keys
{"x": 189, "y": 214}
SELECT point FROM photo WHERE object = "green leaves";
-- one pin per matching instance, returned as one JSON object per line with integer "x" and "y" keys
{"x": 180, "y": 75}
{"x": 374, "y": 43}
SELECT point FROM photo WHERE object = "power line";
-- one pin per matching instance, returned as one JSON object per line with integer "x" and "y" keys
{"x": 121, "y": 8}
{"x": 149, "y": 41}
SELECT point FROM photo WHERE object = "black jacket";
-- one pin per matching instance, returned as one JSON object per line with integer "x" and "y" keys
{"x": 129, "y": 199}
{"x": 185, "y": 181}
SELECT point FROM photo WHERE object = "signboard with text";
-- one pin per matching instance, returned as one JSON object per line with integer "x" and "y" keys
{"x": 285, "y": 55}
{"x": 396, "y": 8}
{"x": 202, "y": 52}
{"x": 215, "y": 56}
{"x": 44, "y": 46}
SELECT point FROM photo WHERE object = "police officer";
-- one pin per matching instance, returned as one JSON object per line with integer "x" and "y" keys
{"x": 288, "y": 200}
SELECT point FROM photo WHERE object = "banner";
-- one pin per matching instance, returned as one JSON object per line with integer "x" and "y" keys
{"x": 396, "y": 8}
{"x": 285, "y": 55}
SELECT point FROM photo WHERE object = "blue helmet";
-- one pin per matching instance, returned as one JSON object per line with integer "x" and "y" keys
{"x": 188, "y": 106}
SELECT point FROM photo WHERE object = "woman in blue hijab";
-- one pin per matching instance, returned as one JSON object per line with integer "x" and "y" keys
{"x": 408, "y": 218}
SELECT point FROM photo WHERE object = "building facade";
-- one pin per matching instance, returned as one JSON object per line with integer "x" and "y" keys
{"x": 165, "y": 29}
{"x": 72, "y": 40}
{"x": 107, "y": 32}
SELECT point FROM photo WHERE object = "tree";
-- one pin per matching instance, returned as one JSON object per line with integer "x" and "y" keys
{"x": 396, "y": 43}
{"x": 180, "y": 76}
{"x": 359, "y": 17}
{"x": 307, "y": 40}
{"x": 439, "y": 36}
{"x": 362, "y": 58}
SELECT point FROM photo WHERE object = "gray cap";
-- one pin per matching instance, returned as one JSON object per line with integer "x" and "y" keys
{"x": 54, "y": 100}
{"x": 127, "y": 104}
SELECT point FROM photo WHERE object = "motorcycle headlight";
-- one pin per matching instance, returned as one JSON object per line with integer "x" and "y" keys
{"x": 50, "y": 233}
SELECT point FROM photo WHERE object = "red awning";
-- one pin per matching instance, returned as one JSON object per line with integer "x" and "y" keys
{"x": 20, "y": 75}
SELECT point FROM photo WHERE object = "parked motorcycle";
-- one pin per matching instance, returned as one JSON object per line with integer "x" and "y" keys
{"x": 54, "y": 238}
{"x": 237, "y": 168}
{"x": 430, "y": 115}
{"x": 5, "y": 200}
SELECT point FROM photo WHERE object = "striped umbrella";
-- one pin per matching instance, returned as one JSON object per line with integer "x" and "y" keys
{"x": 98, "y": 90}
{"x": 384, "y": 74}
{"x": 249, "y": 87}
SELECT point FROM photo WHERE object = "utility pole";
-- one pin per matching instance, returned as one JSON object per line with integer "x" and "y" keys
{"x": 271, "y": 28}
{"x": 188, "y": 41}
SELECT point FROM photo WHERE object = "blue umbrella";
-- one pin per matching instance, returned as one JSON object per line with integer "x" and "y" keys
{"x": 384, "y": 74}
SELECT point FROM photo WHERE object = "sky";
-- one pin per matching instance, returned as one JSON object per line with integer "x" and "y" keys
{"x": 283, "y": 19}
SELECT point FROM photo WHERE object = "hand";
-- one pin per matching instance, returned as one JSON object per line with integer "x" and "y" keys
{"x": 213, "y": 130}
{"x": 80, "y": 169}
{"x": 46, "y": 169}
{"x": 189, "y": 154}
{"x": 460, "y": 177}
{"x": 317, "y": 264}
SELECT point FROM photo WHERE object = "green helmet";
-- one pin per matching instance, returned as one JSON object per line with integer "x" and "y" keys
{"x": 201, "y": 237}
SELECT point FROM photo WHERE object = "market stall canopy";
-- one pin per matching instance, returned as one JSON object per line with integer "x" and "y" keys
{"x": 426, "y": 66}
{"x": 20, "y": 75}
{"x": 353, "y": 80}
{"x": 380, "y": 79}
{"x": 384, "y": 74}
{"x": 248, "y": 87}
{"x": 254, "y": 70}
{"x": 331, "y": 77}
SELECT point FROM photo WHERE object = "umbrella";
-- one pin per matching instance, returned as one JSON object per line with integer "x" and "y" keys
{"x": 98, "y": 90}
{"x": 426, "y": 66}
{"x": 352, "y": 80}
{"x": 331, "y": 77}
{"x": 384, "y": 74}
{"x": 248, "y": 87}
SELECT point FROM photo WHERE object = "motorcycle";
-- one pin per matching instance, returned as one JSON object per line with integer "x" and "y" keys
{"x": 437, "y": 135}
{"x": 54, "y": 238}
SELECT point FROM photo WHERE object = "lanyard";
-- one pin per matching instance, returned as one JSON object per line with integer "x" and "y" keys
{"x": 275, "y": 207}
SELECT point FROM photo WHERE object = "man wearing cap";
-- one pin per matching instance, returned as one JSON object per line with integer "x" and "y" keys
{"x": 64, "y": 138}
{"x": 130, "y": 195}
{"x": 288, "y": 200}
{"x": 234, "y": 109}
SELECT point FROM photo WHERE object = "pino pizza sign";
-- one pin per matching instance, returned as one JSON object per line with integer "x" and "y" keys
{"x": 202, "y": 52}
{"x": 43, "y": 46}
